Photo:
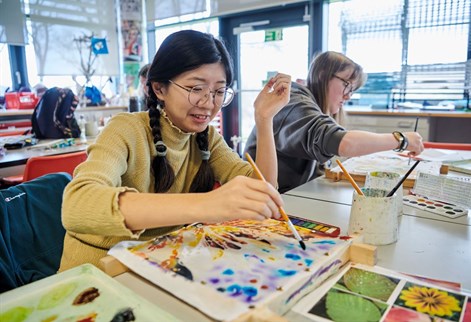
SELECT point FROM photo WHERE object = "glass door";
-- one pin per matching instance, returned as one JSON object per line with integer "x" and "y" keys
{"x": 262, "y": 43}
{"x": 263, "y": 53}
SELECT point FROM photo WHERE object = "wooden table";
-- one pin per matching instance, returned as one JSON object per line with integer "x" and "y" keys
{"x": 425, "y": 247}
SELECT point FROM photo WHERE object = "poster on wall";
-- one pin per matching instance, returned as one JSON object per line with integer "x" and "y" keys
{"x": 132, "y": 40}
{"x": 131, "y": 9}
{"x": 131, "y": 70}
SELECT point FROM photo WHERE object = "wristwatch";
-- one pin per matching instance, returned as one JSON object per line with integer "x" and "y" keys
{"x": 402, "y": 140}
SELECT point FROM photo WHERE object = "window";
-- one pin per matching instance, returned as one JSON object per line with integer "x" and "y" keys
{"x": 412, "y": 50}
{"x": 206, "y": 25}
{"x": 5, "y": 72}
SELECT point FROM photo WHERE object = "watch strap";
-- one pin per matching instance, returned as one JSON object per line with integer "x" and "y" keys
{"x": 402, "y": 140}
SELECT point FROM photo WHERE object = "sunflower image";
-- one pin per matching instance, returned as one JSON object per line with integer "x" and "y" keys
{"x": 431, "y": 301}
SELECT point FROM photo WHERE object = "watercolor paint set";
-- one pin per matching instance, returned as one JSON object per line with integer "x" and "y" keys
{"x": 315, "y": 226}
{"x": 434, "y": 206}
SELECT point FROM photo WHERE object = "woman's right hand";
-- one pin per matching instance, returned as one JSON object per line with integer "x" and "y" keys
{"x": 240, "y": 198}
{"x": 273, "y": 97}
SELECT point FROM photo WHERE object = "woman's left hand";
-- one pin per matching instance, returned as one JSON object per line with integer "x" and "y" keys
{"x": 273, "y": 97}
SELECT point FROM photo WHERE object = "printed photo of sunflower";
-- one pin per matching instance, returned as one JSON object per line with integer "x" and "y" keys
{"x": 431, "y": 301}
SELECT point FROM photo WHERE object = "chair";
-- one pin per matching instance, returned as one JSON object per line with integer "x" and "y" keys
{"x": 31, "y": 231}
{"x": 217, "y": 122}
{"x": 40, "y": 165}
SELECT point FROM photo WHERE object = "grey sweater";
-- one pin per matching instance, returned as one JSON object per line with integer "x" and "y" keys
{"x": 304, "y": 137}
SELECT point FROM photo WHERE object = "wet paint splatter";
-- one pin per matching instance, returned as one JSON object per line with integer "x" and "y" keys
{"x": 124, "y": 315}
{"x": 86, "y": 296}
{"x": 295, "y": 257}
{"x": 228, "y": 272}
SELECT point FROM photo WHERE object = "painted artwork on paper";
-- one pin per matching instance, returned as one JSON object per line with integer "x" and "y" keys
{"x": 373, "y": 294}
{"x": 384, "y": 162}
{"x": 249, "y": 262}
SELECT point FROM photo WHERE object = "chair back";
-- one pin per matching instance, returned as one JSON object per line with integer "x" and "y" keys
{"x": 448, "y": 146}
{"x": 41, "y": 165}
{"x": 31, "y": 231}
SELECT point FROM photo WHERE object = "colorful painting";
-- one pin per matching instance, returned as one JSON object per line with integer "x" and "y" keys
{"x": 82, "y": 294}
{"x": 239, "y": 265}
{"x": 360, "y": 293}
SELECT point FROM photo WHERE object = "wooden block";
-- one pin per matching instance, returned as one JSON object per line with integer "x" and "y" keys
{"x": 360, "y": 178}
{"x": 112, "y": 266}
{"x": 260, "y": 314}
{"x": 444, "y": 169}
{"x": 363, "y": 254}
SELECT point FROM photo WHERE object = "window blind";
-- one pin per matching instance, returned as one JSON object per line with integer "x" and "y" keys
{"x": 416, "y": 48}
{"x": 161, "y": 9}
{"x": 55, "y": 25}
{"x": 12, "y": 23}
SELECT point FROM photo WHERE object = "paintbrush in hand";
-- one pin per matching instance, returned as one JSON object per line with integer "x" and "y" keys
{"x": 280, "y": 209}
{"x": 415, "y": 130}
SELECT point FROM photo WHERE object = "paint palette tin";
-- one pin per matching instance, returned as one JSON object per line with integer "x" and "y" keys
{"x": 437, "y": 207}
{"x": 83, "y": 293}
{"x": 315, "y": 226}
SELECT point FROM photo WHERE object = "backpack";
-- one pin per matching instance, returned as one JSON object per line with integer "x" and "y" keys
{"x": 53, "y": 117}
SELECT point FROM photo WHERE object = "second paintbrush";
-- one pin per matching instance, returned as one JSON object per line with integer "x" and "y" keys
{"x": 281, "y": 210}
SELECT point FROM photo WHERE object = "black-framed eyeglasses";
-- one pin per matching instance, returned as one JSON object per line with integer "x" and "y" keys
{"x": 348, "y": 90}
{"x": 199, "y": 94}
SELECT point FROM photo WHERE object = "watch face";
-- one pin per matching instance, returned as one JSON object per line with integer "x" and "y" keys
{"x": 398, "y": 136}
{"x": 400, "y": 139}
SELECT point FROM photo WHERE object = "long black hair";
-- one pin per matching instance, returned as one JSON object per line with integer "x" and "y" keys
{"x": 180, "y": 52}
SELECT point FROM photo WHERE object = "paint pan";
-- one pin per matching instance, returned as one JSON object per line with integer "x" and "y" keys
{"x": 315, "y": 226}
{"x": 437, "y": 207}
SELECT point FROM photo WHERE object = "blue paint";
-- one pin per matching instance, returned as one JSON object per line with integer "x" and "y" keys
{"x": 295, "y": 257}
{"x": 326, "y": 242}
{"x": 248, "y": 291}
{"x": 228, "y": 272}
{"x": 308, "y": 261}
{"x": 214, "y": 280}
{"x": 234, "y": 289}
{"x": 284, "y": 272}
{"x": 254, "y": 256}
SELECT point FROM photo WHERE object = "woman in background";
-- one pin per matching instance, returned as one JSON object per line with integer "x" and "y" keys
{"x": 308, "y": 131}
{"x": 149, "y": 173}
{"x": 143, "y": 88}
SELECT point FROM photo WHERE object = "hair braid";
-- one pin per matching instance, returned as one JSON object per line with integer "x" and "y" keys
{"x": 204, "y": 179}
{"x": 163, "y": 172}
